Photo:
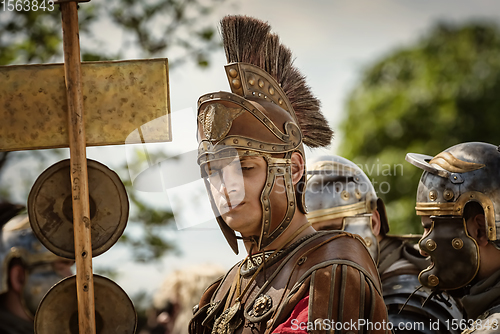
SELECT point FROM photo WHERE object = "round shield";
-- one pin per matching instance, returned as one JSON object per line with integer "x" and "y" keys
{"x": 58, "y": 311}
{"x": 50, "y": 208}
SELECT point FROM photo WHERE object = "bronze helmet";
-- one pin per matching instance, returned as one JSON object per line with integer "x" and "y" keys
{"x": 270, "y": 112}
{"x": 338, "y": 188}
{"x": 461, "y": 174}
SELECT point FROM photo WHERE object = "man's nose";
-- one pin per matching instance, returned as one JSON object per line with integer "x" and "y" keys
{"x": 230, "y": 179}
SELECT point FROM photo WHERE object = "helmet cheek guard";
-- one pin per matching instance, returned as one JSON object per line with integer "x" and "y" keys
{"x": 362, "y": 225}
{"x": 454, "y": 253}
{"x": 461, "y": 174}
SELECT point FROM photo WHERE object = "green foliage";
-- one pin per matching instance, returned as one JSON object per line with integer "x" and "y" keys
{"x": 36, "y": 36}
{"x": 150, "y": 244}
{"x": 153, "y": 28}
{"x": 423, "y": 99}
{"x": 168, "y": 24}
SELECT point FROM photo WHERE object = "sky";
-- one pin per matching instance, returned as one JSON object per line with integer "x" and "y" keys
{"x": 332, "y": 42}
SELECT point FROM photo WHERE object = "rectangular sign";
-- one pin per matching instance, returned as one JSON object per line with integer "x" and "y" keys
{"x": 120, "y": 99}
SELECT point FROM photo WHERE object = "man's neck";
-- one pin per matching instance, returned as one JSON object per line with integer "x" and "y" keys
{"x": 287, "y": 237}
{"x": 490, "y": 261}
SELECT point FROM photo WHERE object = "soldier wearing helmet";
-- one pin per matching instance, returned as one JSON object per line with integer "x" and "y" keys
{"x": 252, "y": 159}
{"x": 340, "y": 196}
{"x": 27, "y": 271}
{"x": 458, "y": 199}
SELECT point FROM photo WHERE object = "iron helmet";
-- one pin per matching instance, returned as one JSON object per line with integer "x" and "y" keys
{"x": 269, "y": 113}
{"x": 17, "y": 241}
{"x": 338, "y": 188}
{"x": 461, "y": 174}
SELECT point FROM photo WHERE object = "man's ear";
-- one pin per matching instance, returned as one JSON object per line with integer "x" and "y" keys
{"x": 297, "y": 167}
{"x": 376, "y": 224}
{"x": 17, "y": 278}
{"x": 477, "y": 228}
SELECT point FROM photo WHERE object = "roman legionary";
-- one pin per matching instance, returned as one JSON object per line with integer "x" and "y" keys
{"x": 27, "y": 271}
{"x": 251, "y": 155}
{"x": 458, "y": 200}
{"x": 340, "y": 196}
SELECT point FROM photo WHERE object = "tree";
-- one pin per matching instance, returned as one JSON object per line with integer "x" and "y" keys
{"x": 424, "y": 98}
{"x": 153, "y": 28}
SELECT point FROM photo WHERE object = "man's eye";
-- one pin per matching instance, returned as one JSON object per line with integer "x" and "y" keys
{"x": 246, "y": 168}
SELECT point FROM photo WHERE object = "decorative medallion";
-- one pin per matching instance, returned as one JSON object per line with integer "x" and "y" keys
{"x": 262, "y": 304}
{"x": 433, "y": 195}
{"x": 228, "y": 321}
{"x": 448, "y": 194}
{"x": 256, "y": 260}
{"x": 457, "y": 243}
{"x": 217, "y": 119}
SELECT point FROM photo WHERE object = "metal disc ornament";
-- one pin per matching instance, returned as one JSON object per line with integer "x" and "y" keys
{"x": 50, "y": 208}
{"x": 58, "y": 310}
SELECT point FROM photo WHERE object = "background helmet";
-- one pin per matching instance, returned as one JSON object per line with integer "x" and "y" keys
{"x": 338, "y": 188}
{"x": 17, "y": 241}
{"x": 270, "y": 112}
{"x": 464, "y": 173}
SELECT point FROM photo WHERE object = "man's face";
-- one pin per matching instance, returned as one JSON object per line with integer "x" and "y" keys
{"x": 236, "y": 185}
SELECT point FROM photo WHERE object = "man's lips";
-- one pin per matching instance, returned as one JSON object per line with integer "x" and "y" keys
{"x": 226, "y": 207}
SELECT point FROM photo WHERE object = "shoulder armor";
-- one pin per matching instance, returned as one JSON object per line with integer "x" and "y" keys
{"x": 438, "y": 311}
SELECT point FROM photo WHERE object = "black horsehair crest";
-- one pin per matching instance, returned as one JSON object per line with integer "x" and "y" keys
{"x": 249, "y": 40}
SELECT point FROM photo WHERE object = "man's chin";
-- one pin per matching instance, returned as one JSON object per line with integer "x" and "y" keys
{"x": 234, "y": 222}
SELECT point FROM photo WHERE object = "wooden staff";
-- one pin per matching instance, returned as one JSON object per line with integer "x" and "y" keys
{"x": 79, "y": 178}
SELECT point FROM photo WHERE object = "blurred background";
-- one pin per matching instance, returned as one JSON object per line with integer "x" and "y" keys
{"x": 394, "y": 76}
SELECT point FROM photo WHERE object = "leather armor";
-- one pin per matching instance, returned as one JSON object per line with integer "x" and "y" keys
{"x": 332, "y": 267}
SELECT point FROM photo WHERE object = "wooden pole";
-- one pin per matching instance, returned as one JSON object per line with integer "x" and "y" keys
{"x": 79, "y": 178}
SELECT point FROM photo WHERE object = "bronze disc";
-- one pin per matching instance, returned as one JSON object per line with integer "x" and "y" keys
{"x": 50, "y": 208}
{"x": 58, "y": 310}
